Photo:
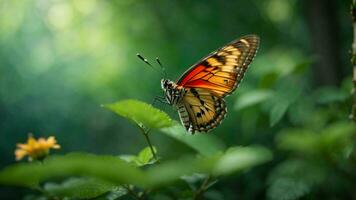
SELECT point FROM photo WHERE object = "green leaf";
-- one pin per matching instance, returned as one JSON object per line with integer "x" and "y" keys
{"x": 285, "y": 95}
{"x": 233, "y": 160}
{"x": 116, "y": 171}
{"x": 300, "y": 68}
{"x": 116, "y": 193}
{"x": 252, "y": 98}
{"x": 268, "y": 79}
{"x": 278, "y": 112}
{"x": 240, "y": 158}
{"x": 299, "y": 140}
{"x": 170, "y": 171}
{"x": 290, "y": 181}
{"x": 145, "y": 156}
{"x": 287, "y": 189}
{"x": 36, "y": 197}
{"x": 140, "y": 113}
{"x": 334, "y": 139}
{"x": 205, "y": 144}
{"x": 327, "y": 95}
{"x": 129, "y": 158}
{"x": 79, "y": 188}
{"x": 107, "y": 168}
{"x": 338, "y": 138}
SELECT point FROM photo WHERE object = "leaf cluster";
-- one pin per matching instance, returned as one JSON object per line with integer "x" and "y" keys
{"x": 89, "y": 176}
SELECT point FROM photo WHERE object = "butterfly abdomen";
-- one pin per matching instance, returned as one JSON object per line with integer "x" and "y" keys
{"x": 183, "y": 115}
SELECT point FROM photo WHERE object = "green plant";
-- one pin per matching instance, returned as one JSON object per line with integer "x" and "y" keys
{"x": 88, "y": 176}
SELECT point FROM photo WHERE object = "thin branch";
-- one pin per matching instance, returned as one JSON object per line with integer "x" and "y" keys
{"x": 353, "y": 60}
{"x": 145, "y": 133}
{"x": 203, "y": 187}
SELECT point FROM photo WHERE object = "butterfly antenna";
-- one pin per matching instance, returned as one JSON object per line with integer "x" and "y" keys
{"x": 163, "y": 68}
{"x": 144, "y": 60}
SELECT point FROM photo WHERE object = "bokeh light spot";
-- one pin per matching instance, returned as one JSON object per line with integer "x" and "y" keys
{"x": 279, "y": 10}
{"x": 60, "y": 16}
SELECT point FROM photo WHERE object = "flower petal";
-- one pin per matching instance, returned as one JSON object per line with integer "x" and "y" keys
{"x": 20, "y": 153}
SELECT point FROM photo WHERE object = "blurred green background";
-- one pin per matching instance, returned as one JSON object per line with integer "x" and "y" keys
{"x": 60, "y": 60}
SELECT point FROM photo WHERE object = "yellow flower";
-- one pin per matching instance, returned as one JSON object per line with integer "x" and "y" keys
{"x": 36, "y": 149}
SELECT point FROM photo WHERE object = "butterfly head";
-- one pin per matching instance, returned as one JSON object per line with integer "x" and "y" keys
{"x": 172, "y": 92}
{"x": 166, "y": 84}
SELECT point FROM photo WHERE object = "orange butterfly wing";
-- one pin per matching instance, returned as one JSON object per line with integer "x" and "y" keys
{"x": 207, "y": 82}
{"x": 222, "y": 71}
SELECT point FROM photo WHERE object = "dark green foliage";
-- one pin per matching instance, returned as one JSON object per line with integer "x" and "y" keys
{"x": 79, "y": 188}
{"x": 107, "y": 173}
{"x": 112, "y": 171}
{"x": 75, "y": 164}
{"x": 61, "y": 60}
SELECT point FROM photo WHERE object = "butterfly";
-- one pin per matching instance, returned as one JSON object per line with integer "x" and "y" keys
{"x": 199, "y": 93}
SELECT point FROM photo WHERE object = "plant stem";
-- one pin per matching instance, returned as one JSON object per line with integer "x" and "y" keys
{"x": 198, "y": 193}
{"x": 145, "y": 133}
{"x": 353, "y": 60}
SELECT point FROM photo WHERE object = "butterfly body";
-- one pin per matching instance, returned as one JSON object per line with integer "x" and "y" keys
{"x": 172, "y": 92}
{"x": 199, "y": 94}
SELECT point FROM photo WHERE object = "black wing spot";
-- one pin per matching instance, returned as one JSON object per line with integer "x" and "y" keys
{"x": 205, "y": 63}
{"x": 198, "y": 114}
{"x": 202, "y": 102}
{"x": 221, "y": 59}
